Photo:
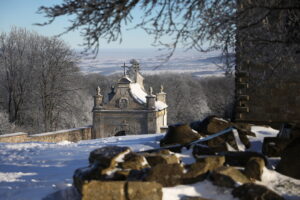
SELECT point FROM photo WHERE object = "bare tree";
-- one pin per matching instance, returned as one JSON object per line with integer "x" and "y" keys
{"x": 268, "y": 35}
{"x": 190, "y": 99}
{"x": 56, "y": 81}
{"x": 5, "y": 125}
{"x": 39, "y": 77}
{"x": 15, "y": 69}
{"x": 196, "y": 24}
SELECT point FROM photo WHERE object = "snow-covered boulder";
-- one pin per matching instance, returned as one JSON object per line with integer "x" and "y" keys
{"x": 252, "y": 191}
{"x": 228, "y": 177}
{"x": 290, "y": 161}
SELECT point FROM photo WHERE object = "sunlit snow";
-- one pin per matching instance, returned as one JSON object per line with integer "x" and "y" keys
{"x": 34, "y": 170}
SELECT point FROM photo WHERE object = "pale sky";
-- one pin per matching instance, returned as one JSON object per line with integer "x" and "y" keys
{"x": 23, "y": 13}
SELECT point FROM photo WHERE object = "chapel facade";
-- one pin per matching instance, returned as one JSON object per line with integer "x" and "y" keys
{"x": 129, "y": 110}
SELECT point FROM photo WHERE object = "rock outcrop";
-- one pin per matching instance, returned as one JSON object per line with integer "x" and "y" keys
{"x": 179, "y": 134}
{"x": 119, "y": 173}
{"x": 212, "y": 125}
{"x": 289, "y": 164}
{"x": 254, "y": 168}
{"x": 160, "y": 158}
{"x": 134, "y": 161}
{"x": 250, "y": 191}
{"x": 232, "y": 158}
{"x": 107, "y": 156}
{"x": 103, "y": 165}
{"x": 274, "y": 146}
{"x": 121, "y": 190}
{"x": 193, "y": 198}
{"x": 228, "y": 177}
{"x": 167, "y": 175}
{"x": 96, "y": 190}
{"x": 143, "y": 190}
{"x": 198, "y": 171}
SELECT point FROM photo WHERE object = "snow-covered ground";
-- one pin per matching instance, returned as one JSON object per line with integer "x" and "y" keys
{"x": 34, "y": 170}
{"x": 109, "y": 61}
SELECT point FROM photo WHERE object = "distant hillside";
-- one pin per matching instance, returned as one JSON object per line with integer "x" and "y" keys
{"x": 109, "y": 61}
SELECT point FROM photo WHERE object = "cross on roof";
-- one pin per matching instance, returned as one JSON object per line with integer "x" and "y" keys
{"x": 124, "y": 68}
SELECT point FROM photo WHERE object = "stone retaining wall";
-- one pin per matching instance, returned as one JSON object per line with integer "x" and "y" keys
{"x": 72, "y": 135}
{"x": 14, "y": 137}
{"x": 268, "y": 63}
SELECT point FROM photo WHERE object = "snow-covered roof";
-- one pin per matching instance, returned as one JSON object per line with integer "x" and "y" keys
{"x": 139, "y": 94}
{"x": 125, "y": 79}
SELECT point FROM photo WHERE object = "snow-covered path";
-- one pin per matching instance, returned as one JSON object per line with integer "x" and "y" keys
{"x": 33, "y": 170}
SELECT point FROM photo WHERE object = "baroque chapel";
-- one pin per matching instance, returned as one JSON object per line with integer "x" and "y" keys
{"x": 130, "y": 110}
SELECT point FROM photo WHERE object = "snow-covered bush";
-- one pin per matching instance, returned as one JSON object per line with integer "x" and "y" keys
{"x": 219, "y": 92}
{"x": 190, "y": 98}
{"x": 5, "y": 125}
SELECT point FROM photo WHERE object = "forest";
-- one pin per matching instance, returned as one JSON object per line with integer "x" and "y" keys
{"x": 42, "y": 88}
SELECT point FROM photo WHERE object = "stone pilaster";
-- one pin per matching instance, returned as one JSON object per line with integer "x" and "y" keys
{"x": 161, "y": 96}
{"x": 151, "y": 100}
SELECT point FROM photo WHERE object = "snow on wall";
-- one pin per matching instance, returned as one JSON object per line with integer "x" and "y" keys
{"x": 13, "y": 134}
{"x": 73, "y": 135}
{"x": 159, "y": 105}
{"x": 60, "y": 131}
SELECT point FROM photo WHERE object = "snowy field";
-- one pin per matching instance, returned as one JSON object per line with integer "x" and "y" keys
{"x": 109, "y": 61}
{"x": 33, "y": 170}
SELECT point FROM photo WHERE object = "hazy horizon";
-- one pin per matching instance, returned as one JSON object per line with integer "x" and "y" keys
{"x": 109, "y": 61}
